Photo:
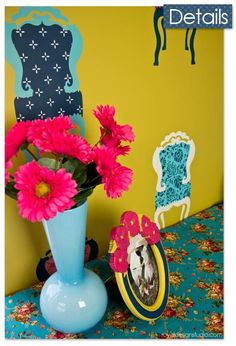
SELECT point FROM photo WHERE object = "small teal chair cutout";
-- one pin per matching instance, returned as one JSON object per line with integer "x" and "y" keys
{"x": 172, "y": 161}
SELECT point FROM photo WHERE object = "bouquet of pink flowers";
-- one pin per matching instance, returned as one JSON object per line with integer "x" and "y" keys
{"x": 68, "y": 168}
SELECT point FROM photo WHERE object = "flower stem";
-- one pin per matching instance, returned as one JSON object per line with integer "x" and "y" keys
{"x": 32, "y": 154}
{"x": 106, "y": 132}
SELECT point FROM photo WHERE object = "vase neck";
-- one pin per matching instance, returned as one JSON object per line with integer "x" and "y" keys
{"x": 66, "y": 236}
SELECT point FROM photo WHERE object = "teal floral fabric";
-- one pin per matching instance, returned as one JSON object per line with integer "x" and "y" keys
{"x": 173, "y": 161}
{"x": 194, "y": 249}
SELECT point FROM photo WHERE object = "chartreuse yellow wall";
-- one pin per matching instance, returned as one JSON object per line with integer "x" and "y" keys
{"x": 116, "y": 67}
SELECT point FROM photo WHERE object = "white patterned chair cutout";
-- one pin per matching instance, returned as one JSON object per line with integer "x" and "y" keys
{"x": 172, "y": 161}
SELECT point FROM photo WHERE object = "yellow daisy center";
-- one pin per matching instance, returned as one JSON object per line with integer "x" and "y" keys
{"x": 42, "y": 189}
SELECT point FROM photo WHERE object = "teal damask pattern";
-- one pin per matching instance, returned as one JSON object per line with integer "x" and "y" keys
{"x": 194, "y": 250}
{"x": 173, "y": 161}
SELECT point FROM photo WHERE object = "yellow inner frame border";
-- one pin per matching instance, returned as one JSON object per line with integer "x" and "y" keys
{"x": 161, "y": 291}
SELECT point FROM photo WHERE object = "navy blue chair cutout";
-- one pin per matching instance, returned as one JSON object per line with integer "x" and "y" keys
{"x": 158, "y": 15}
{"x": 44, "y": 52}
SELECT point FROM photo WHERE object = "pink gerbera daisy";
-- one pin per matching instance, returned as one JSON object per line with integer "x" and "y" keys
{"x": 8, "y": 165}
{"x": 111, "y": 133}
{"x": 15, "y": 138}
{"x": 39, "y": 128}
{"x": 105, "y": 115}
{"x": 62, "y": 143}
{"x": 110, "y": 141}
{"x": 42, "y": 192}
{"x": 115, "y": 177}
{"x": 118, "y": 181}
{"x": 105, "y": 159}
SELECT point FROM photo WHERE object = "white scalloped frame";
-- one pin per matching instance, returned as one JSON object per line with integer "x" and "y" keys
{"x": 171, "y": 139}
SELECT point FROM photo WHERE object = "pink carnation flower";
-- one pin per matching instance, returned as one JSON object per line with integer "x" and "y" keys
{"x": 120, "y": 236}
{"x": 115, "y": 177}
{"x": 38, "y": 128}
{"x": 111, "y": 133}
{"x": 65, "y": 144}
{"x": 150, "y": 230}
{"x": 42, "y": 192}
{"x": 16, "y": 136}
{"x": 119, "y": 260}
{"x": 8, "y": 165}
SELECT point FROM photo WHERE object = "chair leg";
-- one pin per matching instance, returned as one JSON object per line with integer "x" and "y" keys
{"x": 164, "y": 35}
{"x": 188, "y": 204}
{"x": 162, "y": 219}
{"x": 159, "y": 218}
{"x": 182, "y": 212}
{"x": 186, "y": 39}
{"x": 156, "y": 217}
{"x": 157, "y": 15}
{"x": 192, "y": 47}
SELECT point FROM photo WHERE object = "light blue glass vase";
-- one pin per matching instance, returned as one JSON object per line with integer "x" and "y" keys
{"x": 73, "y": 299}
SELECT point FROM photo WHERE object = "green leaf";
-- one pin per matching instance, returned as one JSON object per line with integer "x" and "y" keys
{"x": 10, "y": 190}
{"x": 83, "y": 194}
{"x": 49, "y": 163}
{"x": 80, "y": 177}
{"x": 78, "y": 170}
{"x": 69, "y": 166}
{"x": 79, "y": 166}
{"x": 93, "y": 177}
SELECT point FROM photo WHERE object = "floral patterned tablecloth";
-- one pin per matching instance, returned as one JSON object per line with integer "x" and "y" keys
{"x": 194, "y": 249}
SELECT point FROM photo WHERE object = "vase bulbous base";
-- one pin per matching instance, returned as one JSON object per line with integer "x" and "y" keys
{"x": 73, "y": 308}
